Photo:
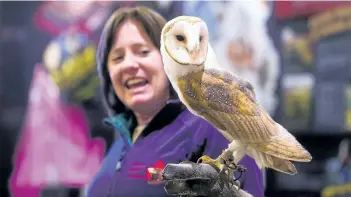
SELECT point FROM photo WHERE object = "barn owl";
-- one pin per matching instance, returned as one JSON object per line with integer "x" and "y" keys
{"x": 224, "y": 100}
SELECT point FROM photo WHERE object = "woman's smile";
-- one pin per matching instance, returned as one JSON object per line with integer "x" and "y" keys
{"x": 136, "y": 83}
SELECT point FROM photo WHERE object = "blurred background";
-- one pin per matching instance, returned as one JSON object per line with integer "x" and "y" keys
{"x": 295, "y": 53}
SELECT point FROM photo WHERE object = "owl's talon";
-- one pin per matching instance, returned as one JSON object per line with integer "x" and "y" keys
{"x": 225, "y": 162}
{"x": 208, "y": 160}
{"x": 205, "y": 159}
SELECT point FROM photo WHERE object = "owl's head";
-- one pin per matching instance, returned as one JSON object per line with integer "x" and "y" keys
{"x": 185, "y": 40}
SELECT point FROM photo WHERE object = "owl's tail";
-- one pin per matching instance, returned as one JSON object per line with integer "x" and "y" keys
{"x": 264, "y": 160}
{"x": 279, "y": 151}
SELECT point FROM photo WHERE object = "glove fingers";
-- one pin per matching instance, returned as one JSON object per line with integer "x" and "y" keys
{"x": 188, "y": 171}
{"x": 194, "y": 187}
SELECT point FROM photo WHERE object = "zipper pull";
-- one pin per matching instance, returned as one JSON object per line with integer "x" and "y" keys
{"x": 118, "y": 166}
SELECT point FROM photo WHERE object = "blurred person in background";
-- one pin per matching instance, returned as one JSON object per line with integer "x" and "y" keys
{"x": 338, "y": 172}
{"x": 153, "y": 128}
{"x": 339, "y": 168}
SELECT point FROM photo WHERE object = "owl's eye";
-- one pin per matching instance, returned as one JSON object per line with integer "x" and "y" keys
{"x": 200, "y": 38}
{"x": 180, "y": 38}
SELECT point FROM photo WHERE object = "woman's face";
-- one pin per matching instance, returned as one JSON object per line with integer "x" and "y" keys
{"x": 136, "y": 69}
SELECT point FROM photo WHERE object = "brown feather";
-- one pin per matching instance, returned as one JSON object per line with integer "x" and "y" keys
{"x": 285, "y": 146}
{"x": 214, "y": 95}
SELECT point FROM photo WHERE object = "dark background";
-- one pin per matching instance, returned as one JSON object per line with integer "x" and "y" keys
{"x": 22, "y": 44}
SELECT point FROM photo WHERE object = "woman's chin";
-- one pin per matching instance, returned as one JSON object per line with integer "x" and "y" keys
{"x": 141, "y": 100}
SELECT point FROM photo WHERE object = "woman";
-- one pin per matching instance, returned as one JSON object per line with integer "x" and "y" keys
{"x": 152, "y": 125}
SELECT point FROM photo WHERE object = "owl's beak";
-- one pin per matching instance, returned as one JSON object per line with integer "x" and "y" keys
{"x": 193, "y": 49}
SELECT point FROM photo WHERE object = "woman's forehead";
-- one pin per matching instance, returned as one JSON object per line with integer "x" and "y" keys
{"x": 130, "y": 33}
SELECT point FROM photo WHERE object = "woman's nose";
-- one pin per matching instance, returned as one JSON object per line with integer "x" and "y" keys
{"x": 131, "y": 63}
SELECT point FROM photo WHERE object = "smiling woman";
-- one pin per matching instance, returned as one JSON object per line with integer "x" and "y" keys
{"x": 153, "y": 127}
{"x": 136, "y": 71}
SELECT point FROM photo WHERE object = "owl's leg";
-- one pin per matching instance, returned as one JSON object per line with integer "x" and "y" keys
{"x": 238, "y": 155}
{"x": 229, "y": 158}
{"x": 229, "y": 166}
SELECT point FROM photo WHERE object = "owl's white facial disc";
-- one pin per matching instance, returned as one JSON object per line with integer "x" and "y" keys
{"x": 186, "y": 41}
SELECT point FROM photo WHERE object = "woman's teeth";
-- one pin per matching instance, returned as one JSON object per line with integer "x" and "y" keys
{"x": 135, "y": 83}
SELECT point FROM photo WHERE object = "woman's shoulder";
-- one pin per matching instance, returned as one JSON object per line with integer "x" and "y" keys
{"x": 199, "y": 124}
{"x": 188, "y": 118}
{"x": 186, "y": 131}
{"x": 185, "y": 124}
{"x": 202, "y": 133}
{"x": 195, "y": 125}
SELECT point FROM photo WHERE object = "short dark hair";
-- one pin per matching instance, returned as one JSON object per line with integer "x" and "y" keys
{"x": 152, "y": 23}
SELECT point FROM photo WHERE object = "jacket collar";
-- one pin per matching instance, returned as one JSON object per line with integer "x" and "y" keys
{"x": 124, "y": 123}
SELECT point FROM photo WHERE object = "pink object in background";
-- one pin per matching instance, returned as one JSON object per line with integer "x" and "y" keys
{"x": 55, "y": 17}
{"x": 55, "y": 147}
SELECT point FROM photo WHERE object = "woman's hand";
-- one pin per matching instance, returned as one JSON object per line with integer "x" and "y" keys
{"x": 198, "y": 179}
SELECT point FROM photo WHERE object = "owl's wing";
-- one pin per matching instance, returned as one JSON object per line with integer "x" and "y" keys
{"x": 229, "y": 102}
{"x": 232, "y": 80}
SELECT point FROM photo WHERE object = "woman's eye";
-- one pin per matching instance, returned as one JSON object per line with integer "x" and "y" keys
{"x": 145, "y": 52}
{"x": 117, "y": 59}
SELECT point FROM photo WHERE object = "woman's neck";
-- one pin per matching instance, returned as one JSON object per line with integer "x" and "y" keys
{"x": 145, "y": 117}
{"x": 146, "y": 113}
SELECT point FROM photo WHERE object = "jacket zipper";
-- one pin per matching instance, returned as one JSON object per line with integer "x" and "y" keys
{"x": 118, "y": 167}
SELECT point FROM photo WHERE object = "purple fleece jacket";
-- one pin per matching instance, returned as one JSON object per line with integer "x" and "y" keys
{"x": 181, "y": 136}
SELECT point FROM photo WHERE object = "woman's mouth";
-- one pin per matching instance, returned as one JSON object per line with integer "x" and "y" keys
{"x": 135, "y": 83}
